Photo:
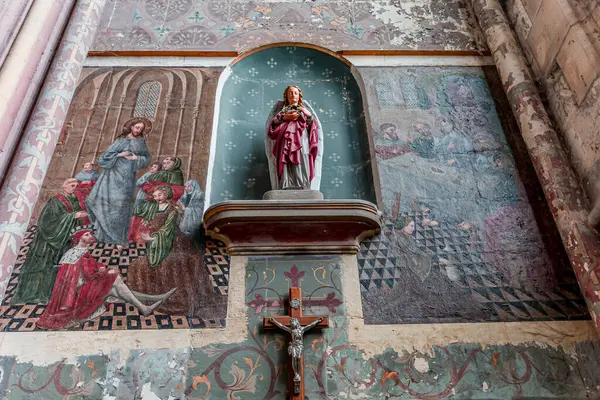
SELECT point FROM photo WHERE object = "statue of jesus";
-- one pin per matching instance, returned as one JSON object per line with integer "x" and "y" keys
{"x": 294, "y": 143}
{"x": 296, "y": 345}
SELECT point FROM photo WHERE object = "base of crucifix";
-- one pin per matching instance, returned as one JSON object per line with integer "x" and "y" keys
{"x": 293, "y": 195}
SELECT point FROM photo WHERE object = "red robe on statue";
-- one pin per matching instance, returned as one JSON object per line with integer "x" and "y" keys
{"x": 82, "y": 284}
{"x": 288, "y": 142}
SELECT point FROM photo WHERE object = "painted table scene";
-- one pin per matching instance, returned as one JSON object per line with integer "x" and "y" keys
{"x": 118, "y": 241}
{"x": 468, "y": 235}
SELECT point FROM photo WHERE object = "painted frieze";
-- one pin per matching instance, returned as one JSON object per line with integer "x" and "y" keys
{"x": 234, "y": 25}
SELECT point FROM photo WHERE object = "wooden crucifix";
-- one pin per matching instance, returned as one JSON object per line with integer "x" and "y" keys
{"x": 296, "y": 324}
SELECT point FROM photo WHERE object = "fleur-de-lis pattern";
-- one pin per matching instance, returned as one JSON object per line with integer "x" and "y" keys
{"x": 228, "y": 169}
{"x": 252, "y": 113}
{"x": 226, "y": 195}
{"x": 272, "y": 63}
{"x": 255, "y": 84}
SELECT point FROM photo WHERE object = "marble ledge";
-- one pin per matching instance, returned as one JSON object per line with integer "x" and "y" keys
{"x": 292, "y": 226}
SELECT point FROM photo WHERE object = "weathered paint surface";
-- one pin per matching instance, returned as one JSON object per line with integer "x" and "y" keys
{"x": 256, "y": 368}
{"x": 162, "y": 250}
{"x": 561, "y": 187}
{"x": 463, "y": 208}
{"x": 232, "y": 25}
{"x": 23, "y": 182}
{"x": 560, "y": 41}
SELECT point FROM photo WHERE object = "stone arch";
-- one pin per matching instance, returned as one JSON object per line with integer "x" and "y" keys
{"x": 247, "y": 90}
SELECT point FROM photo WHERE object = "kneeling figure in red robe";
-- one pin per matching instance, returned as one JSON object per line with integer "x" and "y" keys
{"x": 82, "y": 286}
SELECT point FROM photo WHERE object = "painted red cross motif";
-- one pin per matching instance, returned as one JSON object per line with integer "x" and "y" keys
{"x": 296, "y": 325}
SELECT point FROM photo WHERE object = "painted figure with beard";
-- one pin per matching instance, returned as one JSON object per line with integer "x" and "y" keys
{"x": 60, "y": 215}
{"x": 83, "y": 284}
{"x": 293, "y": 143}
{"x": 110, "y": 204}
{"x": 171, "y": 261}
{"x": 391, "y": 145}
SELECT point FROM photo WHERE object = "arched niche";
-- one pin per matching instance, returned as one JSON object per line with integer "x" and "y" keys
{"x": 249, "y": 88}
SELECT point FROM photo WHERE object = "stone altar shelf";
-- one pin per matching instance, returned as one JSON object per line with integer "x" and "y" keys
{"x": 296, "y": 222}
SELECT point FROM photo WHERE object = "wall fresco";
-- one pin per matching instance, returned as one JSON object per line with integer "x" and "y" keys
{"x": 114, "y": 242}
{"x": 233, "y": 25}
{"x": 256, "y": 368}
{"x": 468, "y": 232}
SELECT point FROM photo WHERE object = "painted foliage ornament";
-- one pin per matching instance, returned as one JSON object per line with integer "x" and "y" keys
{"x": 294, "y": 143}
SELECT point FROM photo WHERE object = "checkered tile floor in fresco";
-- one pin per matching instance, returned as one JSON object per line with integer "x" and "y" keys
{"x": 119, "y": 316}
{"x": 378, "y": 268}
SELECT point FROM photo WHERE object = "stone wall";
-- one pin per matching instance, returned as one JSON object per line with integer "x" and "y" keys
{"x": 561, "y": 40}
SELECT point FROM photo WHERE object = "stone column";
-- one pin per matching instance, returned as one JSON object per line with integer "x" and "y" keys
{"x": 12, "y": 15}
{"x": 24, "y": 69}
{"x": 561, "y": 186}
{"x": 28, "y": 169}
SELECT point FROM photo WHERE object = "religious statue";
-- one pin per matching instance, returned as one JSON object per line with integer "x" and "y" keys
{"x": 294, "y": 143}
{"x": 296, "y": 347}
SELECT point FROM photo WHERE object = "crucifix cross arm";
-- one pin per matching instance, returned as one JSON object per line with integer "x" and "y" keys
{"x": 312, "y": 324}
{"x": 279, "y": 324}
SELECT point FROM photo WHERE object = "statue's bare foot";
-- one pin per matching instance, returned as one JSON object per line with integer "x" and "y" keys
{"x": 120, "y": 247}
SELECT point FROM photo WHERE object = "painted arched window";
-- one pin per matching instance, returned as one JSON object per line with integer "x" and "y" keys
{"x": 147, "y": 100}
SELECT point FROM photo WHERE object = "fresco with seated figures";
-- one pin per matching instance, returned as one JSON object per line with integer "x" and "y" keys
{"x": 117, "y": 240}
{"x": 468, "y": 236}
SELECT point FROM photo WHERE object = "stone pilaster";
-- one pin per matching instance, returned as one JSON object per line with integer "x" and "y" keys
{"x": 24, "y": 179}
{"x": 12, "y": 16}
{"x": 24, "y": 68}
{"x": 561, "y": 186}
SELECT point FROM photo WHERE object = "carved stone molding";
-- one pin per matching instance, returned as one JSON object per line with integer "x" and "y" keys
{"x": 292, "y": 227}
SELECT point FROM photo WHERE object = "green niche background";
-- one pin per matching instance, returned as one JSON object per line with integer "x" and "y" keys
{"x": 240, "y": 169}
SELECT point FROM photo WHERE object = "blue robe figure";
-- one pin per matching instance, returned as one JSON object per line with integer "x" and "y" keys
{"x": 110, "y": 203}
{"x": 193, "y": 201}
{"x": 140, "y": 197}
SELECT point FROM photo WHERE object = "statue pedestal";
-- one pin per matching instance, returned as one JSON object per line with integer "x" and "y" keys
{"x": 293, "y": 195}
{"x": 292, "y": 226}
